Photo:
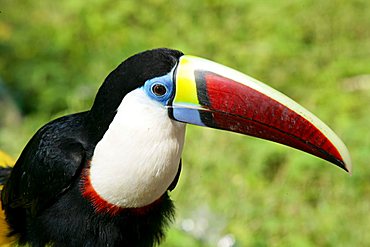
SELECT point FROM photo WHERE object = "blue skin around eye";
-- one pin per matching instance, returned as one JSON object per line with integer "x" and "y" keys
{"x": 182, "y": 114}
{"x": 166, "y": 81}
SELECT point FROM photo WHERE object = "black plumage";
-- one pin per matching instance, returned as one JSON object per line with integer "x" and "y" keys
{"x": 4, "y": 174}
{"x": 42, "y": 199}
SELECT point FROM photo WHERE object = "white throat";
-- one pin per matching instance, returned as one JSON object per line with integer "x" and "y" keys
{"x": 138, "y": 157}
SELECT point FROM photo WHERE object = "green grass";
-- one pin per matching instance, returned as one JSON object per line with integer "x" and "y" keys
{"x": 54, "y": 56}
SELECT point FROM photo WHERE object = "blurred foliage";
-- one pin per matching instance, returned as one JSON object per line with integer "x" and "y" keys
{"x": 54, "y": 55}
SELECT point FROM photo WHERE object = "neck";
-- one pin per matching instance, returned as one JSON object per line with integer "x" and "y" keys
{"x": 139, "y": 155}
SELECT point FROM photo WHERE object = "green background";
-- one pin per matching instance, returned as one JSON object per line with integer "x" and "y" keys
{"x": 248, "y": 192}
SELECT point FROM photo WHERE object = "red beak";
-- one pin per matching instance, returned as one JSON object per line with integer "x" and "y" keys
{"x": 213, "y": 95}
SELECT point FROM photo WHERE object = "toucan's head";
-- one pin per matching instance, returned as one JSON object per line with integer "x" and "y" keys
{"x": 142, "y": 108}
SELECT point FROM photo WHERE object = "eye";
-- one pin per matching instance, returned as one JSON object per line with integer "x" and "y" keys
{"x": 159, "y": 89}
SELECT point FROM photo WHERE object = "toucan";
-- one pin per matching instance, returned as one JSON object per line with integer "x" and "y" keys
{"x": 102, "y": 177}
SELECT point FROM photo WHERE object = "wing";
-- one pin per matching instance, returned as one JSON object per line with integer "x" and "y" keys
{"x": 47, "y": 167}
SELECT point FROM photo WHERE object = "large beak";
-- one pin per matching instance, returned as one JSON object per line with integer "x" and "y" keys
{"x": 210, "y": 94}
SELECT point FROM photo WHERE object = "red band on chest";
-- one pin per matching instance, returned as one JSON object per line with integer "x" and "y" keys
{"x": 102, "y": 206}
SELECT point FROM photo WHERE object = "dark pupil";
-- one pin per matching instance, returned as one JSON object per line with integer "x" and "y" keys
{"x": 159, "y": 90}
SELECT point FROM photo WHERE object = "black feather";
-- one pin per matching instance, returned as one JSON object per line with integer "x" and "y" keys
{"x": 50, "y": 162}
{"x": 4, "y": 174}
